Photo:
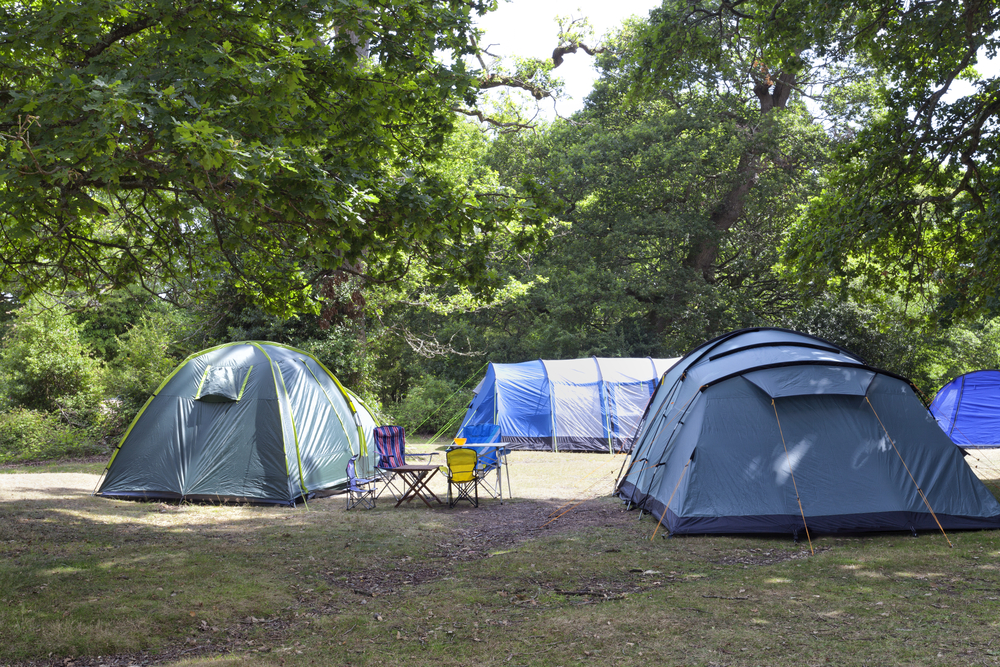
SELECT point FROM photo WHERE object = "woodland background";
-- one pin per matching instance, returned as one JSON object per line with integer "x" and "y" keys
{"x": 367, "y": 182}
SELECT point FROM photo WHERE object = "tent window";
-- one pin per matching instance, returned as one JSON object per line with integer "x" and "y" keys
{"x": 223, "y": 384}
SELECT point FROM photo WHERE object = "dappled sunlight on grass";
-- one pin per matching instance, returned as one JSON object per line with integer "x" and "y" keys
{"x": 85, "y": 576}
{"x": 61, "y": 571}
{"x": 871, "y": 575}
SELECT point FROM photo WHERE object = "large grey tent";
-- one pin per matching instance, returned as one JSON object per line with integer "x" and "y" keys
{"x": 249, "y": 422}
{"x": 771, "y": 431}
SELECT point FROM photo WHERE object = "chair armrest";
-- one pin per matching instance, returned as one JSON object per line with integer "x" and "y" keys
{"x": 430, "y": 455}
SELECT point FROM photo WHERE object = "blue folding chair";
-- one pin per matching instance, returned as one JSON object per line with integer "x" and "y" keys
{"x": 360, "y": 490}
{"x": 492, "y": 456}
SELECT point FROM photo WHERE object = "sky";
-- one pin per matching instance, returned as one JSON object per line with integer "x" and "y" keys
{"x": 528, "y": 28}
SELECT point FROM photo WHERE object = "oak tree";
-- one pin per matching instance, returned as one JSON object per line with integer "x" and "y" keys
{"x": 194, "y": 145}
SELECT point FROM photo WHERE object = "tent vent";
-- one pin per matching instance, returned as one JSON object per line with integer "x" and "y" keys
{"x": 223, "y": 384}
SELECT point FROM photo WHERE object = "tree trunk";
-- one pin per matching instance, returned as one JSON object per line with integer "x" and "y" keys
{"x": 772, "y": 94}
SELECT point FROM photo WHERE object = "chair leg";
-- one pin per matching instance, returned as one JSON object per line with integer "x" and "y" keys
{"x": 365, "y": 499}
{"x": 387, "y": 484}
{"x": 464, "y": 491}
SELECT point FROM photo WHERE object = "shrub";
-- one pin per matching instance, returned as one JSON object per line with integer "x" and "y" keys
{"x": 141, "y": 364}
{"x": 44, "y": 365}
{"x": 33, "y": 435}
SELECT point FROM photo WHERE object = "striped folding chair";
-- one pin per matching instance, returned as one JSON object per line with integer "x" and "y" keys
{"x": 390, "y": 452}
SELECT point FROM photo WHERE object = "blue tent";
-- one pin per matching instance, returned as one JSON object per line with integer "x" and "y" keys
{"x": 968, "y": 409}
{"x": 772, "y": 431}
{"x": 591, "y": 404}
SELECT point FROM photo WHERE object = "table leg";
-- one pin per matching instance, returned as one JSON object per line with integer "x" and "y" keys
{"x": 421, "y": 487}
{"x": 410, "y": 480}
{"x": 417, "y": 485}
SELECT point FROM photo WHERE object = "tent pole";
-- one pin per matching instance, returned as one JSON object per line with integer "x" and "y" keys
{"x": 603, "y": 394}
{"x": 958, "y": 404}
{"x": 663, "y": 406}
{"x": 645, "y": 413}
{"x": 552, "y": 405}
{"x": 680, "y": 418}
{"x": 291, "y": 417}
{"x": 795, "y": 486}
{"x": 661, "y": 462}
{"x": 99, "y": 480}
{"x": 907, "y": 468}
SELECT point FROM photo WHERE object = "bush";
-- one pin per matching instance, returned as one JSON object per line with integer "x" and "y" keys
{"x": 33, "y": 435}
{"x": 44, "y": 365}
{"x": 431, "y": 404}
{"x": 141, "y": 364}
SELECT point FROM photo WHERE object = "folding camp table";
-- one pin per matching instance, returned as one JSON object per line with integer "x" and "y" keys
{"x": 415, "y": 478}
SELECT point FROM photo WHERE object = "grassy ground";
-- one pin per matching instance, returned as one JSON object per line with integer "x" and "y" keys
{"x": 88, "y": 581}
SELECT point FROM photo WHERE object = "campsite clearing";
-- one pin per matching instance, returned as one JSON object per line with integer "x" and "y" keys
{"x": 94, "y": 581}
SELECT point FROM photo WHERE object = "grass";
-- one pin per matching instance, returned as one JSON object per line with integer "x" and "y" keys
{"x": 135, "y": 583}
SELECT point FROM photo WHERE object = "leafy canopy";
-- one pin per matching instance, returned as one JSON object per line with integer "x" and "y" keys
{"x": 184, "y": 145}
{"x": 910, "y": 209}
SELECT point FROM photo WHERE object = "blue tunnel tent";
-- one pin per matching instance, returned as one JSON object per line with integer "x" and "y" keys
{"x": 591, "y": 404}
{"x": 968, "y": 409}
{"x": 243, "y": 422}
{"x": 773, "y": 431}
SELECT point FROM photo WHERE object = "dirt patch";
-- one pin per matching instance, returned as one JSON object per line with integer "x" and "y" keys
{"x": 472, "y": 534}
{"x": 46, "y": 485}
{"x": 485, "y": 531}
{"x": 494, "y": 527}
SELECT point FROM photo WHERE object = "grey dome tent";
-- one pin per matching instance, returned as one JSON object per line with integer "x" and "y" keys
{"x": 773, "y": 431}
{"x": 246, "y": 422}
